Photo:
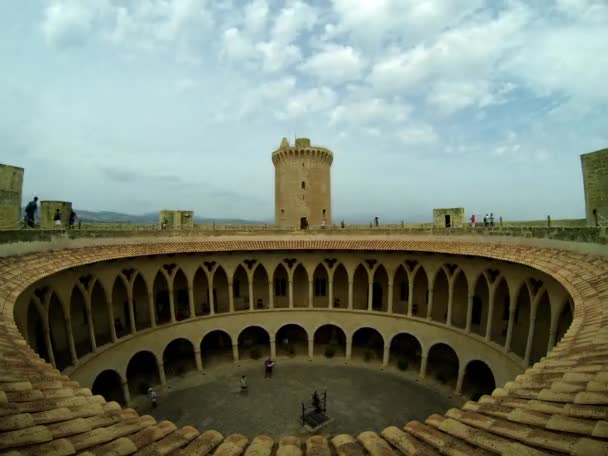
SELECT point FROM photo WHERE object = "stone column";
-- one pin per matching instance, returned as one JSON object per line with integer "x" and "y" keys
{"x": 530, "y": 339}
{"x": 161, "y": 373}
{"x": 71, "y": 344}
{"x": 450, "y": 302}
{"x": 460, "y": 379}
{"x": 389, "y": 304}
{"x": 150, "y": 308}
{"x": 131, "y": 313}
{"x": 410, "y": 297}
{"x": 552, "y": 336}
{"x": 290, "y": 293}
{"x": 235, "y": 353}
{"x": 273, "y": 348}
{"x": 350, "y": 294}
{"x": 91, "y": 329}
{"x": 330, "y": 281}
{"x": 349, "y": 348}
{"x": 423, "y": 363}
{"x": 270, "y": 295}
{"x": 512, "y": 304}
{"x": 171, "y": 303}
{"x": 490, "y": 312}
{"x": 125, "y": 392}
{"x": 251, "y": 293}
{"x": 111, "y": 319}
{"x": 311, "y": 348}
{"x": 230, "y": 297}
{"x": 191, "y": 302}
{"x": 49, "y": 345}
{"x": 385, "y": 357}
{"x": 211, "y": 303}
{"x": 469, "y": 312}
{"x": 198, "y": 360}
{"x": 370, "y": 294}
{"x": 429, "y": 305}
{"x": 310, "y": 293}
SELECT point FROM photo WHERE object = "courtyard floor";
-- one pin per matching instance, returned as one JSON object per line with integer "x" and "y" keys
{"x": 358, "y": 398}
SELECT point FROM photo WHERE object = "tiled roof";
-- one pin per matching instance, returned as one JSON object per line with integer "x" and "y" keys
{"x": 558, "y": 406}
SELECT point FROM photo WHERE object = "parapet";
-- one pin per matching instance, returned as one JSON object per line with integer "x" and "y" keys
{"x": 48, "y": 210}
{"x": 302, "y": 148}
{"x": 11, "y": 184}
{"x": 176, "y": 219}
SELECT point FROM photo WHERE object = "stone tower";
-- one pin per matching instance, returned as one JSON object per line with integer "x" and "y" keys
{"x": 595, "y": 179}
{"x": 302, "y": 192}
{"x": 11, "y": 185}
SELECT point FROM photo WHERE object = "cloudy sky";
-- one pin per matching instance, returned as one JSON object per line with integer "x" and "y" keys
{"x": 135, "y": 106}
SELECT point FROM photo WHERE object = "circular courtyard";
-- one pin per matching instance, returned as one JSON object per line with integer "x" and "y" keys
{"x": 358, "y": 399}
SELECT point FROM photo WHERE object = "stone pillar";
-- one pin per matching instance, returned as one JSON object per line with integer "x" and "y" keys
{"x": 552, "y": 336}
{"x": 349, "y": 348}
{"x": 230, "y": 297}
{"x": 331, "y": 291}
{"x": 235, "y": 353}
{"x": 460, "y": 379}
{"x": 270, "y": 295}
{"x": 150, "y": 308}
{"x": 49, "y": 345}
{"x": 311, "y": 348}
{"x": 429, "y": 305}
{"x": 71, "y": 344}
{"x": 423, "y": 363}
{"x": 161, "y": 373}
{"x": 125, "y": 392}
{"x": 291, "y": 293}
{"x": 132, "y": 326}
{"x": 350, "y": 294}
{"x": 385, "y": 357}
{"x": 450, "y": 302}
{"x": 91, "y": 330}
{"x": 111, "y": 319}
{"x": 273, "y": 348}
{"x": 530, "y": 339}
{"x": 198, "y": 360}
{"x": 211, "y": 303}
{"x": 310, "y": 293}
{"x": 251, "y": 293}
{"x": 191, "y": 301}
{"x": 490, "y": 313}
{"x": 370, "y": 294}
{"x": 389, "y": 304}
{"x": 469, "y": 312}
{"x": 512, "y": 304}
{"x": 171, "y": 302}
{"x": 410, "y": 297}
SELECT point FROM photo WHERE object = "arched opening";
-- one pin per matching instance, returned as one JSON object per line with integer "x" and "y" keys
{"x": 442, "y": 364}
{"x": 521, "y": 322}
{"x": 401, "y": 291}
{"x": 261, "y": 298}
{"x": 281, "y": 287}
{"x": 178, "y": 358}
{"x": 35, "y": 332}
{"x": 59, "y": 333}
{"x": 368, "y": 344}
{"x": 421, "y": 293}
{"x": 300, "y": 287}
{"x": 479, "y": 313}
{"x": 254, "y": 343}
{"x": 360, "y": 288}
{"x": 120, "y": 305}
{"x": 405, "y": 352}
{"x": 216, "y": 348}
{"x": 460, "y": 300}
{"x": 292, "y": 340}
{"x": 440, "y": 297}
{"x": 240, "y": 289}
{"x": 80, "y": 323}
{"x": 200, "y": 289}
{"x": 162, "y": 303}
{"x": 500, "y": 315}
{"x": 380, "y": 290}
{"x": 542, "y": 326}
{"x": 221, "y": 298}
{"x": 330, "y": 342}
{"x": 478, "y": 380}
{"x": 109, "y": 385}
{"x": 564, "y": 321}
{"x": 340, "y": 287}
{"x": 142, "y": 373}
{"x": 141, "y": 303}
{"x": 99, "y": 313}
{"x": 180, "y": 296}
{"x": 320, "y": 287}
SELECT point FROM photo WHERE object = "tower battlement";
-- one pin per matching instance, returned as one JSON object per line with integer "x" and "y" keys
{"x": 301, "y": 149}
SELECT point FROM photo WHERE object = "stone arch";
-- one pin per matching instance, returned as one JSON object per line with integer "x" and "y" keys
{"x": 162, "y": 303}
{"x": 292, "y": 340}
{"x": 221, "y": 297}
{"x": 240, "y": 289}
{"x": 440, "y": 297}
{"x": 521, "y": 321}
{"x": 281, "y": 287}
{"x": 481, "y": 305}
{"x": 36, "y": 331}
{"x": 564, "y": 321}
{"x": 178, "y": 357}
{"x": 99, "y": 315}
{"x": 181, "y": 296}
{"x": 500, "y": 314}
{"x": 340, "y": 287}
{"x": 80, "y": 323}
{"x": 141, "y": 303}
{"x": 320, "y": 287}
{"x": 300, "y": 286}
{"x": 109, "y": 385}
{"x": 120, "y": 307}
{"x": 200, "y": 290}
{"x": 255, "y": 340}
{"x": 360, "y": 288}
{"x": 329, "y": 341}
{"x": 401, "y": 291}
{"x": 421, "y": 293}
{"x": 380, "y": 289}
{"x": 142, "y": 372}
{"x": 460, "y": 300}
{"x": 478, "y": 380}
{"x": 368, "y": 344}
{"x": 542, "y": 327}
{"x": 443, "y": 364}
{"x": 405, "y": 352}
{"x": 261, "y": 298}
{"x": 216, "y": 348}
{"x": 59, "y": 333}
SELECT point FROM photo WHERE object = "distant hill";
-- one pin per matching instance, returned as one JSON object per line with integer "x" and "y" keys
{"x": 149, "y": 218}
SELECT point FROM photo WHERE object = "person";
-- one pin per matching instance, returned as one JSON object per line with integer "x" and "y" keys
{"x": 30, "y": 212}
{"x": 152, "y": 396}
{"x": 473, "y": 221}
{"x": 72, "y": 218}
{"x": 57, "y": 218}
{"x": 268, "y": 365}
{"x": 376, "y": 221}
{"x": 342, "y": 224}
{"x": 243, "y": 383}
{"x": 316, "y": 402}
{"x": 500, "y": 220}
{"x": 485, "y": 220}
{"x": 491, "y": 219}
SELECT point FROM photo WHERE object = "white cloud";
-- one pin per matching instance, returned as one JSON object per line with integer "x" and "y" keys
{"x": 256, "y": 16}
{"x": 449, "y": 97}
{"x": 236, "y": 47}
{"x": 293, "y": 20}
{"x": 277, "y": 56}
{"x": 334, "y": 64}
{"x": 68, "y": 23}
{"x": 185, "y": 85}
{"x": 308, "y": 101}
{"x": 418, "y": 134}
{"x": 375, "y": 111}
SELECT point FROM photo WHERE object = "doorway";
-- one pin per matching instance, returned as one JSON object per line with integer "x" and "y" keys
{"x": 448, "y": 221}
{"x": 303, "y": 223}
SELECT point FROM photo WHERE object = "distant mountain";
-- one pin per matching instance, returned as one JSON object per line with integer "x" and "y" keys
{"x": 149, "y": 218}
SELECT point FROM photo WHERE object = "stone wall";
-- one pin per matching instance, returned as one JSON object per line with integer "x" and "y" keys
{"x": 177, "y": 220}
{"x": 11, "y": 184}
{"x": 47, "y": 212}
{"x": 455, "y": 214}
{"x": 595, "y": 178}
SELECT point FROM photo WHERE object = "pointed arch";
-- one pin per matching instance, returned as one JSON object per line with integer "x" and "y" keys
{"x": 261, "y": 299}
{"x": 421, "y": 293}
{"x": 281, "y": 287}
{"x": 441, "y": 286}
{"x": 36, "y": 331}
{"x": 481, "y": 300}
{"x": 360, "y": 288}
{"x": 100, "y": 314}
{"x": 320, "y": 287}
{"x": 542, "y": 326}
{"x": 401, "y": 291}
{"x": 59, "y": 333}
{"x": 200, "y": 290}
{"x": 162, "y": 304}
{"x": 340, "y": 287}
{"x": 240, "y": 289}
{"x": 221, "y": 297}
{"x": 521, "y": 321}
{"x": 80, "y": 322}
{"x": 300, "y": 286}
{"x": 380, "y": 290}
{"x": 460, "y": 300}
{"x": 141, "y": 303}
{"x": 500, "y": 315}
{"x": 181, "y": 295}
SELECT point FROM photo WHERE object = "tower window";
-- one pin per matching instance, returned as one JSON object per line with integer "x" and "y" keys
{"x": 324, "y": 211}
{"x": 303, "y": 185}
{"x": 282, "y": 211}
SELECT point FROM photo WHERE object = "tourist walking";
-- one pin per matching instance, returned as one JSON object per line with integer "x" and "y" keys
{"x": 57, "y": 218}
{"x": 491, "y": 219}
{"x": 72, "y": 219}
{"x": 472, "y": 221}
{"x": 30, "y": 212}
{"x": 268, "y": 365}
{"x": 485, "y": 220}
{"x": 243, "y": 383}
{"x": 152, "y": 396}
